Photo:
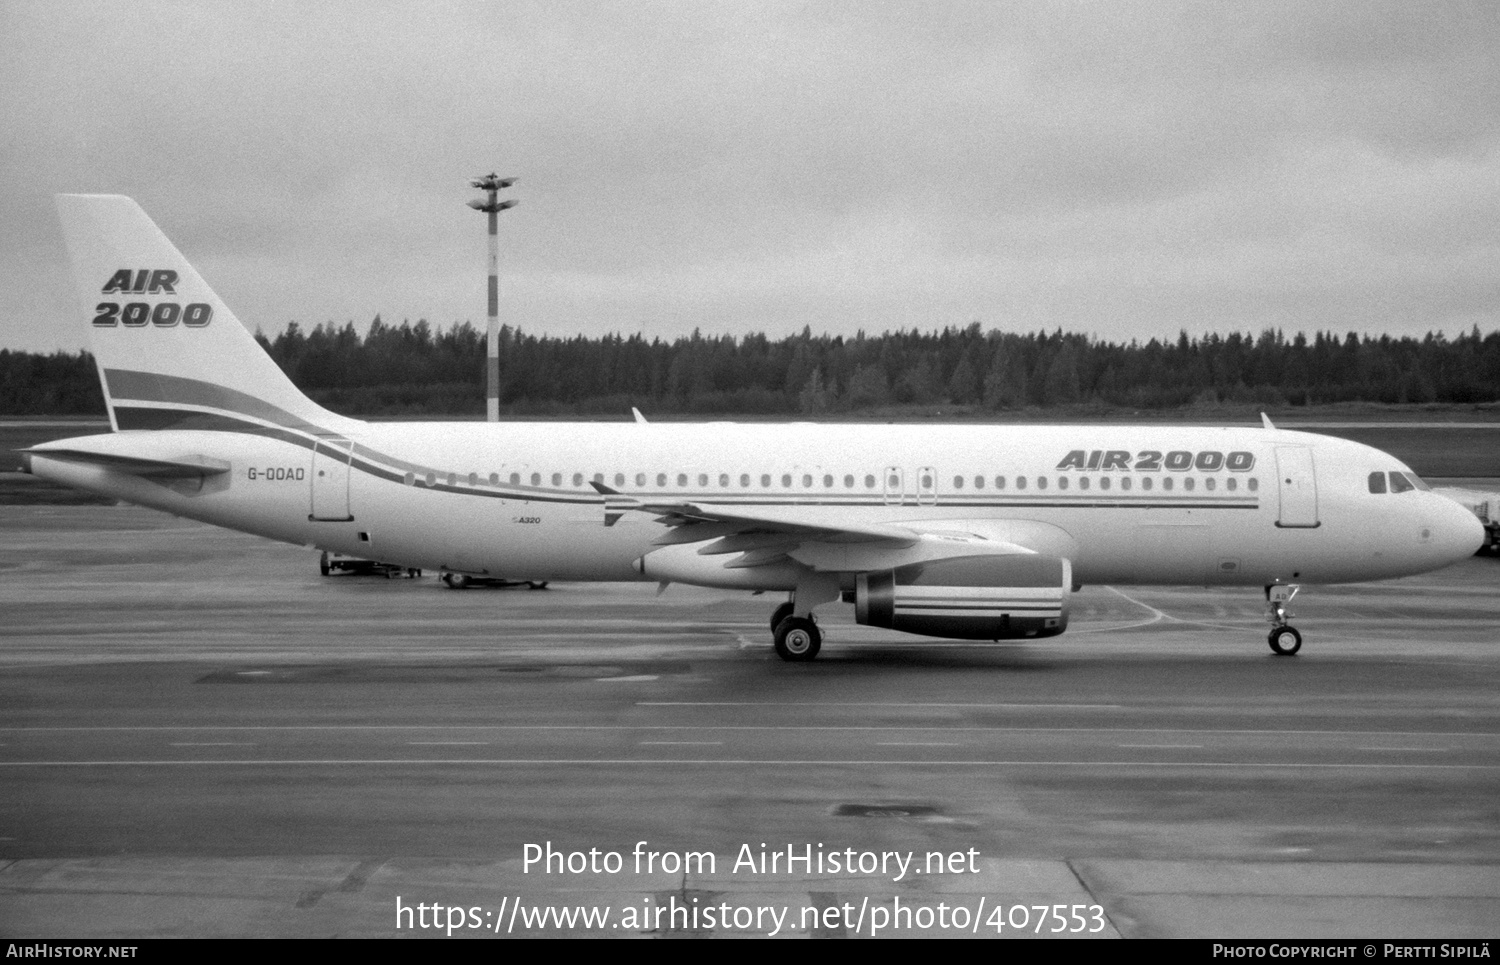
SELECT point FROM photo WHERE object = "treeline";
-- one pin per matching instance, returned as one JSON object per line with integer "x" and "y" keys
{"x": 56, "y": 384}
{"x": 413, "y": 369}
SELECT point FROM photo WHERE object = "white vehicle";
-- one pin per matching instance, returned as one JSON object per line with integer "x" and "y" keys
{"x": 961, "y": 531}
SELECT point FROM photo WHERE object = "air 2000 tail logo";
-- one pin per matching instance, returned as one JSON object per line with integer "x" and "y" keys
{"x": 148, "y": 281}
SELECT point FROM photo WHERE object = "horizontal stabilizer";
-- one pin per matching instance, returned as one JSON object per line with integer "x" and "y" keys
{"x": 189, "y": 467}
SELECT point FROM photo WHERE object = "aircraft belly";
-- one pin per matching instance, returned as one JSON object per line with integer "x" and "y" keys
{"x": 482, "y": 534}
{"x": 561, "y": 547}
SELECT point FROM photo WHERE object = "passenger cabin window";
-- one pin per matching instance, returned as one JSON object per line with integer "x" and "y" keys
{"x": 978, "y": 482}
{"x": 557, "y": 479}
{"x": 536, "y": 479}
{"x": 682, "y": 479}
{"x": 515, "y": 479}
{"x": 577, "y": 479}
{"x": 958, "y": 482}
{"x": 765, "y": 480}
{"x": 1000, "y": 483}
{"x": 745, "y": 480}
{"x": 703, "y": 479}
{"x": 870, "y": 482}
{"x": 640, "y": 479}
{"x": 848, "y": 482}
{"x": 786, "y": 480}
{"x": 1254, "y": 484}
{"x": 494, "y": 479}
{"x": 661, "y": 480}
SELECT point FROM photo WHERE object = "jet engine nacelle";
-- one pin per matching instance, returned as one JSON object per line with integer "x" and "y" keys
{"x": 969, "y": 597}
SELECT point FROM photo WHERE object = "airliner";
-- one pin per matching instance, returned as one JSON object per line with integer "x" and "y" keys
{"x": 955, "y": 531}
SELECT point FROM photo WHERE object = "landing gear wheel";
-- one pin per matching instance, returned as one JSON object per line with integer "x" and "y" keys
{"x": 323, "y": 566}
{"x": 798, "y": 639}
{"x": 536, "y": 584}
{"x": 456, "y": 581}
{"x": 1285, "y": 641}
{"x": 779, "y": 614}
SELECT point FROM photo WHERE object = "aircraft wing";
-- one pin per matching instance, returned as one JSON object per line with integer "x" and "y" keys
{"x": 764, "y": 537}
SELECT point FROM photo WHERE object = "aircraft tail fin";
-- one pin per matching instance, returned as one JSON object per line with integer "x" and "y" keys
{"x": 171, "y": 354}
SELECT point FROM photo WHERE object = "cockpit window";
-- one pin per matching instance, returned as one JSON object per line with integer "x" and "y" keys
{"x": 1400, "y": 484}
{"x": 1417, "y": 481}
{"x": 1377, "y": 482}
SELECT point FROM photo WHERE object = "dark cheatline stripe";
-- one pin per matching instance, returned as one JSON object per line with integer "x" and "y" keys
{"x": 135, "y": 417}
{"x": 127, "y": 386}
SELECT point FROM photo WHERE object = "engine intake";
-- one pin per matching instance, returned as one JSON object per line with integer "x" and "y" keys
{"x": 969, "y": 597}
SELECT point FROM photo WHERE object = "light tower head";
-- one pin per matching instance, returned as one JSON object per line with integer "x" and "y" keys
{"x": 492, "y": 182}
{"x": 481, "y": 204}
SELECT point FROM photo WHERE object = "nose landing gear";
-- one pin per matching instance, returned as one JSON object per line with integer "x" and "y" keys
{"x": 1284, "y": 638}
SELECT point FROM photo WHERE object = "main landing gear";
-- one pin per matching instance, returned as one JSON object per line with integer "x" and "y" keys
{"x": 1284, "y": 638}
{"x": 797, "y": 638}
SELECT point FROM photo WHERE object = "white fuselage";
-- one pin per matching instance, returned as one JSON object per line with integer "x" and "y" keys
{"x": 1125, "y": 504}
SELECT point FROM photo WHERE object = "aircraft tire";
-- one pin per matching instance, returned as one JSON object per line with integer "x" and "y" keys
{"x": 323, "y": 566}
{"x": 798, "y": 639}
{"x": 1285, "y": 641}
{"x": 456, "y": 581}
{"x": 779, "y": 614}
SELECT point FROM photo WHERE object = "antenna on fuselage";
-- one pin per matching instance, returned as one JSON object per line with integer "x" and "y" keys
{"x": 1265, "y": 420}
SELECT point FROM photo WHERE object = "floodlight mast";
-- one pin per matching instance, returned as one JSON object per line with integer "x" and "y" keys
{"x": 492, "y": 206}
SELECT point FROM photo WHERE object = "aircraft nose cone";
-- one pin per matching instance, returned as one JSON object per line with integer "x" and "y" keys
{"x": 1458, "y": 532}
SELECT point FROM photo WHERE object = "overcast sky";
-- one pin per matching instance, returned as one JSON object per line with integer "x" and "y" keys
{"x": 1122, "y": 169}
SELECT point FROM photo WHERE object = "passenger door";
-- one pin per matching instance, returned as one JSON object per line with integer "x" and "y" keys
{"x": 330, "y": 480}
{"x": 1297, "y": 484}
